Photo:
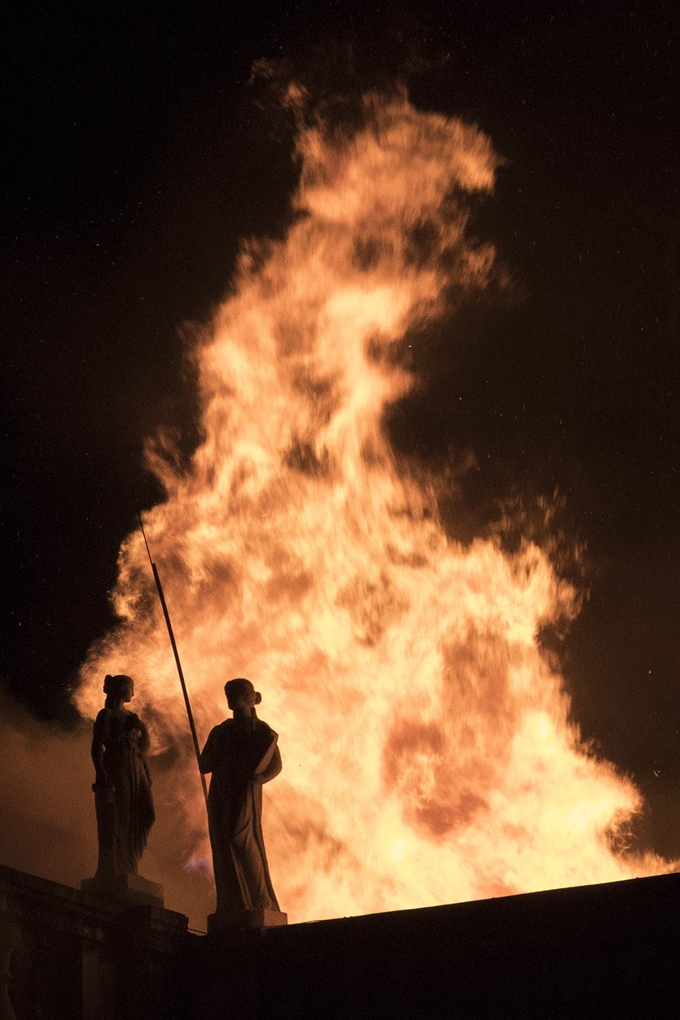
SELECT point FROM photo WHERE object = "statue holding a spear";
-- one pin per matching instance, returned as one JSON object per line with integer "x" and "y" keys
{"x": 242, "y": 754}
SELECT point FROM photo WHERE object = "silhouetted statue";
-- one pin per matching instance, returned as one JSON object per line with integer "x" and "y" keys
{"x": 242, "y": 753}
{"x": 122, "y": 790}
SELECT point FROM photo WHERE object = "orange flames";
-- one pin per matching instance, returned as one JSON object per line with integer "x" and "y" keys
{"x": 428, "y": 755}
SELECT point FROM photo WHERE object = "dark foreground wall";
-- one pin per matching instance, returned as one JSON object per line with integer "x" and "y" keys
{"x": 73, "y": 957}
{"x": 598, "y": 951}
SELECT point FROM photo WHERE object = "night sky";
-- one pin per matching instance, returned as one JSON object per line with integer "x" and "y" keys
{"x": 139, "y": 155}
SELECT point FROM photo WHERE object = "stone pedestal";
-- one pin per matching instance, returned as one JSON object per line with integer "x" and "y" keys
{"x": 129, "y": 889}
{"x": 246, "y": 919}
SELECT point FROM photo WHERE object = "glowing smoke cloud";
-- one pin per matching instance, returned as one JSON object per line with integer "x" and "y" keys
{"x": 428, "y": 756}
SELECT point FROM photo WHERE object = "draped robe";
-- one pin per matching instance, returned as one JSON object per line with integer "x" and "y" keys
{"x": 242, "y": 755}
{"x": 125, "y": 810}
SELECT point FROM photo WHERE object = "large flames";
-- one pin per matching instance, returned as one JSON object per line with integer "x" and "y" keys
{"x": 428, "y": 755}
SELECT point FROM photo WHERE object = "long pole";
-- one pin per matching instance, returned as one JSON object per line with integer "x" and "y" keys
{"x": 166, "y": 614}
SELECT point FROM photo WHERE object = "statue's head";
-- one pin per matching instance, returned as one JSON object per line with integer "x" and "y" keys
{"x": 241, "y": 689}
{"x": 119, "y": 686}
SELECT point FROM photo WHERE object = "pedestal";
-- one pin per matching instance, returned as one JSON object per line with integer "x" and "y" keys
{"x": 132, "y": 889}
{"x": 246, "y": 919}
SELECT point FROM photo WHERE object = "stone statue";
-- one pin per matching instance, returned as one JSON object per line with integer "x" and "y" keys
{"x": 242, "y": 754}
{"x": 122, "y": 790}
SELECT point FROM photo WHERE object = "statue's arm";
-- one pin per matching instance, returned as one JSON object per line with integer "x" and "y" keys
{"x": 273, "y": 768}
{"x": 206, "y": 759}
{"x": 144, "y": 742}
{"x": 97, "y": 749}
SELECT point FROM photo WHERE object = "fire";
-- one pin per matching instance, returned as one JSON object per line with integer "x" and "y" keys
{"x": 428, "y": 753}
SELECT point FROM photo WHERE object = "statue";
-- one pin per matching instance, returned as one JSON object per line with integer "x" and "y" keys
{"x": 122, "y": 789}
{"x": 242, "y": 754}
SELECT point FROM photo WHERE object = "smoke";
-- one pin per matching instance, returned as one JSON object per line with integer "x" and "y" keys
{"x": 45, "y": 797}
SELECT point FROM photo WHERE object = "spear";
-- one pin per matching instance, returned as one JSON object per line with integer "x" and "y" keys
{"x": 166, "y": 614}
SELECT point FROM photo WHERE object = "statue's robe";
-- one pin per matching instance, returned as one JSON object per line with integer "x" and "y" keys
{"x": 125, "y": 810}
{"x": 241, "y": 755}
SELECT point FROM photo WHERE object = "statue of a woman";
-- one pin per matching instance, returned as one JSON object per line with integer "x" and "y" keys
{"x": 242, "y": 753}
{"x": 123, "y": 801}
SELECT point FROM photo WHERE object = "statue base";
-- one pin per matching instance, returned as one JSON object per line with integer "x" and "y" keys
{"x": 132, "y": 889}
{"x": 246, "y": 919}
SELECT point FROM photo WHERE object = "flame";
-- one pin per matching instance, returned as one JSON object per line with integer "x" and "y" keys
{"x": 428, "y": 752}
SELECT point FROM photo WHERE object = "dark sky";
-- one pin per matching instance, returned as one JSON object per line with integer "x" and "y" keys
{"x": 138, "y": 155}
